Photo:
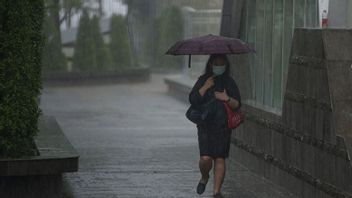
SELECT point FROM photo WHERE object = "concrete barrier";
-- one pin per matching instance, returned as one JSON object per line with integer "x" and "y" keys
{"x": 136, "y": 74}
{"x": 40, "y": 176}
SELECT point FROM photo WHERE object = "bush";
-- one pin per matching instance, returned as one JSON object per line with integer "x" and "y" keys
{"x": 21, "y": 45}
{"x": 169, "y": 31}
{"x": 91, "y": 53}
{"x": 53, "y": 57}
{"x": 120, "y": 47}
{"x": 103, "y": 57}
{"x": 84, "y": 58}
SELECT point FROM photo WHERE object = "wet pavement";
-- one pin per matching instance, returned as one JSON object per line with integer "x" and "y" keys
{"x": 134, "y": 141}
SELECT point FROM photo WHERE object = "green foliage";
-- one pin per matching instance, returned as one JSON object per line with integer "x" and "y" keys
{"x": 120, "y": 47}
{"x": 53, "y": 57}
{"x": 103, "y": 57}
{"x": 90, "y": 51}
{"x": 169, "y": 31}
{"x": 21, "y": 44}
{"x": 84, "y": 58}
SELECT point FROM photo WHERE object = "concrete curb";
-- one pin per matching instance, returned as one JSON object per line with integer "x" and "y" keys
{"x": 136, "y": 74}
{"x": 57, "y": 155}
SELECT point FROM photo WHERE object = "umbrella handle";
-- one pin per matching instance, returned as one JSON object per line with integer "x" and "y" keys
{"x": 189, "y": 61}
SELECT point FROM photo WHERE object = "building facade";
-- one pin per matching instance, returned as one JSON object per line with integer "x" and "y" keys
{"x": 267, "y": 25}
{"x": 297, "y": 93}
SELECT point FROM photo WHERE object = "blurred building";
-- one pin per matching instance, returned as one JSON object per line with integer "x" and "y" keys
{"x": 199, "y": 22}
{"x": 195, "y": 4}
{"x": 101, "y": 8}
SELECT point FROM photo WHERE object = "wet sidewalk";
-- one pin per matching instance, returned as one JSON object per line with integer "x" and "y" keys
{"x": 134, "y": 141}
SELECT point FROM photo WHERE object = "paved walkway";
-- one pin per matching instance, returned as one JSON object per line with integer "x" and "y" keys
{"x": 134, "y": 141}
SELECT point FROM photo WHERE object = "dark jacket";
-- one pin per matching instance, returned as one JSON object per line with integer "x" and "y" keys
{"x": 217, "y": 115}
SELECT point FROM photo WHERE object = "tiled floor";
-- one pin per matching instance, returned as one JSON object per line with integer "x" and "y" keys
{"x": 134, "y": 141}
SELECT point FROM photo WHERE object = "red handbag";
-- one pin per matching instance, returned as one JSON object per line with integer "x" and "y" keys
{"x": 234, "y": 118}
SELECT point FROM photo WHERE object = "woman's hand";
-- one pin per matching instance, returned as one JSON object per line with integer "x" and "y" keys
{"x": 221, "y": 95}
{"x": 224, "y": 97}
{"x": 208, "y": 83}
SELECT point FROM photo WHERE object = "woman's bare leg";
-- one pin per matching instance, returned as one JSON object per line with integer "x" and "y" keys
{"x": 205, "y": 165}
{"x": 219, "y": 173}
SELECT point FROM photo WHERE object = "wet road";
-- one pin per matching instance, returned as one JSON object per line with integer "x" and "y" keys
{"x": 134, "y": 141}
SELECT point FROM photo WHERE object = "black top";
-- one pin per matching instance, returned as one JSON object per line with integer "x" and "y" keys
{"x": 217, "y": 111}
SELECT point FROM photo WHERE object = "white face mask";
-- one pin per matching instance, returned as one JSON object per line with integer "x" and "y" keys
{"x": 218, "y": 69}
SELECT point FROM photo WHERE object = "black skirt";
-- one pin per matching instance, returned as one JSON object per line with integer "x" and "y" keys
{"x": 214, "y": 141}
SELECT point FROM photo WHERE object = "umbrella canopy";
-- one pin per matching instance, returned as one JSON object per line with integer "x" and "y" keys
{"x": 209, "y": 44}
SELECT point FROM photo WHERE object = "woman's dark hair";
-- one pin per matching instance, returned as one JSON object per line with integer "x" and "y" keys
{"x": 212, "y": 57}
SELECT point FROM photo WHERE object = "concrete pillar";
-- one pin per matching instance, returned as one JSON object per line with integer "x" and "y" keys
{"x": 231, "y": 14}
{"x": 318, "y": 96}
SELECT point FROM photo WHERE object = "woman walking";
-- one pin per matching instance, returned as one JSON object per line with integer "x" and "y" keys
{"x": 214, "y": 136}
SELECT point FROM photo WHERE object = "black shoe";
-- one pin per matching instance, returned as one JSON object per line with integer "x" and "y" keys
{"x": 201, "y": 187}
{"x": 218, "y": 195}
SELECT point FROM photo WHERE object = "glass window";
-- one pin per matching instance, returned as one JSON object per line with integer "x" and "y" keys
{"x": 268, "y": 52}
{"x": 277, "y": 52}
{"x": 287, "y": 38}
{"x": 267, "y": 25}
{"x": 259, "y": 69}
{"x": 299, "y": 8}
{"x": 251, "y": 36}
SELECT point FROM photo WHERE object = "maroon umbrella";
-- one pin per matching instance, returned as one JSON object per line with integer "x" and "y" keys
{"x": 209, "y": 44}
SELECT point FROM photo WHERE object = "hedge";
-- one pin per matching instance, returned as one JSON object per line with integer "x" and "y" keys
{"x": 21, "y": 43}
{"x": 120, "y": 46}
{"x": 103, "y": 57}
{"x": 90, "y": 53}
{"x": 84, "y": 58}
{"x": 53, "y": 57}
{"x": 169, "y": 30}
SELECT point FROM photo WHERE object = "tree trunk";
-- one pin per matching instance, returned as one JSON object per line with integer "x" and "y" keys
{"x": 56, "y": 16}
{"x": 100, "y": 8}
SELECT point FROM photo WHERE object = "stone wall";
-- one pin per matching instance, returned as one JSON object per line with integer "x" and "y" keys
{"x": 306, "y": 148}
